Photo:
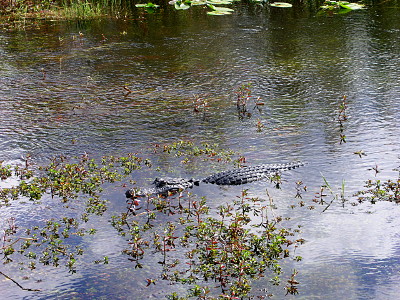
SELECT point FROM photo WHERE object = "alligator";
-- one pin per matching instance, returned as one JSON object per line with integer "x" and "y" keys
{"x": 166, "y": 186}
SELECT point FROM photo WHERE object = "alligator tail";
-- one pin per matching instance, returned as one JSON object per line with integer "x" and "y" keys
{"x": 249, "y": 174}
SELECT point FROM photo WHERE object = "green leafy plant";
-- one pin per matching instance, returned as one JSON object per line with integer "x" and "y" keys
{"x": 339, "y": 7}
{"x": 377, "y": 190}
{"x": 149, "y": 7}
{"x": 223, "y": 245}
{"x": 193, "y": 242}
{"x": 76, "y": 183}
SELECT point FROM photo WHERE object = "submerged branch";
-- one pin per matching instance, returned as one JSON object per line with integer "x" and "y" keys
{"x": 20, "y": 286}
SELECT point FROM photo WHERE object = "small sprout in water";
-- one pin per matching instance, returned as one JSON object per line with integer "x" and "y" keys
{"x": 259, "y": 102}
{"x": 375, "y": 169}
{"x": 360, "y": 153}
{"x": 260, "y": 126}
{"x": 342, "y": 138}
{"x": 150, "y": 281}
{"x": 292, "y": 287}
{"x": 199, "y": 104}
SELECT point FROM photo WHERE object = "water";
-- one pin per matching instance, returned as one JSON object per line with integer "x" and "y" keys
{"x": 62, "y": 92}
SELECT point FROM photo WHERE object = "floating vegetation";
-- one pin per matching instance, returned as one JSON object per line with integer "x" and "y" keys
{"x": 360, "y": 153}
{"x": 377, "y": 190}
{"x": 198, "y": 2}
{"x": 243, "y": 96}
{"x": 215, "y": 10}
{"x": 281, "y": 4}
{"x": 149, "y": 7}
{"x": 84, "y": 9}
{"x": 233, "y": 244}
{"x": 374, "y": 191}
{"x": 199, "y": 244}
{"x": 77, "y": 185}
{"x": 189, "y": 152}
{"x": 260, "y": 126}
{"x": 181, "y": 5}
{"x": 243, "y": 100}
{"x": 339, "y": 7}
{"x": 219, "y": 2}
{"x": 218, "y": 10}
{"x": 351, "y": 6}
{"x": 200, "y": 105}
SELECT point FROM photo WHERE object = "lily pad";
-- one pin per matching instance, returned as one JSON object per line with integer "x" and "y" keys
{"x": 281, "y": 4}
{"x": 147, "y": 5}
{"x": 352, "y": 6}
{"x": 220, "y": 2}
{"x": 226, "y": 9}
{"x": 218, "y": 10}
{"x": 218, "y": 13}
{"x": 199, "y": 2}
{"x": 343, "y": 11}
{"x": 181, "y": 6}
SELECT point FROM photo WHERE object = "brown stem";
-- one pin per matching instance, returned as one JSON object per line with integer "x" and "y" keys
{"x": 20, "y": 286}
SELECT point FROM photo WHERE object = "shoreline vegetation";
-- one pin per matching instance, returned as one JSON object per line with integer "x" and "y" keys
{"x": 23, "y": 10}
{"x": 14, "y": 10}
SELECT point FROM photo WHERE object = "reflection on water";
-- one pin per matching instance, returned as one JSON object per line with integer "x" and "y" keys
{"x": 64, "y": 89}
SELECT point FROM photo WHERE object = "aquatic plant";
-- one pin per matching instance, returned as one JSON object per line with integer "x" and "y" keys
{"x": 374, "y": 190}
{"x": 219, "y": 10}
{"x": 339, "y": 7}
{"x": 198, "y": 244}
{"x": 149, "y": 7}
{"x": 281, "y": 4}
{"x": 378, "y": 190}
{"x": 244, "y": 100}
{"x": 260, "y": 125}
{"x": 81, "y": 10}
{"x": 182, "y": 5}
{"x": 76, "y": 184}
{"x": 243, "y": 96}
{"x": 211, "y": 4}
{"x": 200, "y": 105}
{"x": 342, "y": 117}
{"x": 224, "y": 244}
{"x": 62, "y": 9}
{"x": 188, "y": 151}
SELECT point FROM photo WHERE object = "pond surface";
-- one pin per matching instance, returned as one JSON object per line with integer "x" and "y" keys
{"x": 64, "y": 90}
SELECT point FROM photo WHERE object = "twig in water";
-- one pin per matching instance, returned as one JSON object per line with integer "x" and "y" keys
{"x": 20, "y": 286}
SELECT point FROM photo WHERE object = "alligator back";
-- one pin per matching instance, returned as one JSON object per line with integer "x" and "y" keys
{"x": 248, "y": 174}
{"x": 166, "y": 186}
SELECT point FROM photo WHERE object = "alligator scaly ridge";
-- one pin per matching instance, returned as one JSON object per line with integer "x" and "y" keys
{"x": 165, "y": 186}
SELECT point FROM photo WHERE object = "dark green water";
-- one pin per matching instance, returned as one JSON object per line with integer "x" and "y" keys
{"x": 62, "y": 92}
